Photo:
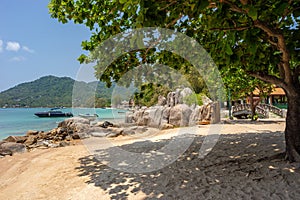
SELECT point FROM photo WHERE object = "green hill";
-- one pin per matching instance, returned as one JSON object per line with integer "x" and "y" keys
{"x": 51, "y": 91}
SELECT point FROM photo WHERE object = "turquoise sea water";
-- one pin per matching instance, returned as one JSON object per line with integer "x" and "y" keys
{"x": 17, "y": 121}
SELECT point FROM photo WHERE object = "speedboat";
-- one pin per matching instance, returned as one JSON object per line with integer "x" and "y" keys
{"x": 89, "y": 116}
{"x": 54, "y": 113}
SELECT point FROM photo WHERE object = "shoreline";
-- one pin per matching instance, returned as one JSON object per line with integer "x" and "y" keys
{"x": 17, "y": 121}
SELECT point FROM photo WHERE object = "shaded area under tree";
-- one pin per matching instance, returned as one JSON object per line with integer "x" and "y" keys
{"x": 239, "y": 167}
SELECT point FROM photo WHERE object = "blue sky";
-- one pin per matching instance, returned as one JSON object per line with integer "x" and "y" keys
{"x": 32, "y": 44}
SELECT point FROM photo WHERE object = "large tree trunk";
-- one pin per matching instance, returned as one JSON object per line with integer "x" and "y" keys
{"x": 253, "y": 105}
{"x": 292, "y": 130}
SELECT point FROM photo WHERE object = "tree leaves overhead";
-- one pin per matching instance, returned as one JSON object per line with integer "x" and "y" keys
{"x": 240, "y": 33}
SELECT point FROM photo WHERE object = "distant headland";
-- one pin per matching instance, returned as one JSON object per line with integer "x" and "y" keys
{"x": 51, "y": 91}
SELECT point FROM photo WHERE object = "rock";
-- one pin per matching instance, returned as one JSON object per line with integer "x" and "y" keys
{"x": 174, "y": 113}
{"x": 206, "y": 112}
{"x": 99, "y": 134}
{"x": 39, "y": 143}
{"x": 113, "y": 134}
{"x": 183, "y": 94}
{"x": 53, "y": 145}
{"x": 109, "y": 132}
{"x": 161, "y": 101}
{"x": 134, "y": 130}
{"x": 141, "y": 129}
{"x": 68, "y": 138}
{"x": 17, "y": 139}
{"x": 14, "y": 147}
{"x": 64, "y": 144}
{"x": 138, "y": 116}
{"x": 166, "y": 126}
{"x": 129, "y": 117}
{"x": 179, "y": 115}
{"x": 195, "y": 116}
{"x": 178, "y": 97}
{"x": 30, "y": 140}
{"x": 165, "y": 116}
{"x": 171, "y": 99}
{"x": 76, "y": 136}
{"x": 46, "y": 143}
{"x": 43, "y": 135}
{"x": 116, "y": 130}
{"x": 206, "y": 100}
{"x": 53, "y": 132}
{"x": 75, "y": 124}
{"x": 155, "y": 116}
{"x": 5, "y": 152}
{"x": 61, "y": 130}
{"x": 128, "y": 131}
{"x": 32, "y": 132}
{"x": 106, "y": 124}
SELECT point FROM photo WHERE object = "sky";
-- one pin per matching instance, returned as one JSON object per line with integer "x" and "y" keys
{"x": 32, "y": 44}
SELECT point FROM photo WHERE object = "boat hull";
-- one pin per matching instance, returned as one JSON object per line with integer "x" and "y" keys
{"x": 49, "y": 114}
{"x": 89, "y": 117}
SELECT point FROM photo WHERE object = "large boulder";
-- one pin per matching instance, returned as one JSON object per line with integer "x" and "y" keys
{"x": 179, "y": 115}
{"x": 171, "y": 99}
{"x": 129, "y": 117}
{"x": 195, "y": 116}
{"x": 155, "y": 116}
{"x": 75, "y": 124}
{"x": 142, "y": 117}
{"x": 13, "y": 147}
{"x": 178, "y": 97}
{"x": 161, "y": 100}
{"x": 17, "y": 139}
{"x": 5, "y": 152}
{"x": 182, "y": 94}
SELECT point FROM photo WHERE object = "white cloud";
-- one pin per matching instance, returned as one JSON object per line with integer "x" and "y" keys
{"x": 13, "y": 46}
{"x": 1, "y": 46}
{"x": 17, "y": 59}
{"x": 25, "y": 48}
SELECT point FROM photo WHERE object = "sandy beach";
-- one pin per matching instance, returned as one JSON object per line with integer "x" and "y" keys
{"x": 245, "y": 163}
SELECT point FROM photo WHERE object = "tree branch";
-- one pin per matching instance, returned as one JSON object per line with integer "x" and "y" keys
{"x": 230, "y": 29}
{"x": 267, "y": 78}
{"x": 281, "y": 46}
{"x": 233, "y": 7}
{"x": 173, "y": 2}
{"x": 174, "y": 21}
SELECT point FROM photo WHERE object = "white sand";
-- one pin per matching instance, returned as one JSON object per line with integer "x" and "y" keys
{"x": 242, "y": 165}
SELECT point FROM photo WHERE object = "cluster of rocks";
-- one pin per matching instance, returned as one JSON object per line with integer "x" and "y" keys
{"x": 68, "y": 130}
{"x": 173, "y": 112}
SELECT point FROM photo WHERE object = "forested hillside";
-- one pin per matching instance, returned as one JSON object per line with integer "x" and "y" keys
{"x": 51, "y": 91}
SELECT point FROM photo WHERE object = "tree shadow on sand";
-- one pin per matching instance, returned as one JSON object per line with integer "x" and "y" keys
{"x": 239, "y": 167}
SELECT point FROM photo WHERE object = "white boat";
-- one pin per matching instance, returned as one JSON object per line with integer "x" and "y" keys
{"x": 89, "y": 116}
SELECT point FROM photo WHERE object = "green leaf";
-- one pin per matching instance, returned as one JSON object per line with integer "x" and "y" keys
{"x": 253, "y": 13}
{"x": 228, "y": 50}
{"x": 192, "y": 7}
{"x": 203, "y": 4}
{"x": 279, "y": 10}
{"x": 122, "y": 1}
